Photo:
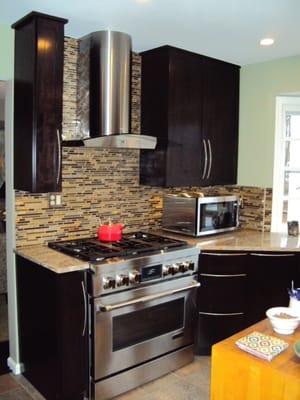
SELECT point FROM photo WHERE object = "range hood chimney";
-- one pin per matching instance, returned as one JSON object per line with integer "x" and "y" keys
{"x": 105, "y": 83}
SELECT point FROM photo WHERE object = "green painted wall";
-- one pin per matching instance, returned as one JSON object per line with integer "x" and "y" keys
{"x": 6, "y": 52}
{"x": 260, "y": 84}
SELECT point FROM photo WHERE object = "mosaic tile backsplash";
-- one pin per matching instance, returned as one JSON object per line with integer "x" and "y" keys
{"x": 98, "y": 184}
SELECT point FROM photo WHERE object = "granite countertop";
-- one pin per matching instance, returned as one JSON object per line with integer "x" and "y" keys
{"x": 51, "y": 259}
{"x": 244, "y": 240}
{"x": 241, "y": 240}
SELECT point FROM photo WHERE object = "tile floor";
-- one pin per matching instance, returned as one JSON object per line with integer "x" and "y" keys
{"x": 188, "y": 383}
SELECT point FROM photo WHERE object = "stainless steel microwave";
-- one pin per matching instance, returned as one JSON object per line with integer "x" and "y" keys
{"x": 195, "y": 215}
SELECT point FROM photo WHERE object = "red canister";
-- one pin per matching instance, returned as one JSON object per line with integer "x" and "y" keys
{"x": 110, "y": 233}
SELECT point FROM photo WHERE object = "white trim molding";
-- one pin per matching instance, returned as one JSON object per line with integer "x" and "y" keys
{"x": 283, "y": 104}
{"x": 16, "y": 368}
{"x": 14, "y": 354}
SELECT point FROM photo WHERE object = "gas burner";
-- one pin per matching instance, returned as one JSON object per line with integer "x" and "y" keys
{"x": 132, "y": 244}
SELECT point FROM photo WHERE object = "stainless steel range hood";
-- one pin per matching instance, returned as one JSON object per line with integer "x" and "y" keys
{"x": 104, "y": 94}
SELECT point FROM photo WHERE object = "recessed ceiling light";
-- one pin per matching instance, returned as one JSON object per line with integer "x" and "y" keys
{"x": 266, "y": 42}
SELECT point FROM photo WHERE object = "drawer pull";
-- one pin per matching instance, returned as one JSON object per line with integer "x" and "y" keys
{"x": 221, "y": 314}
{"x": 272, "y": 255}
{"x": 224, "y": 276}
{"x": 224, "y": 254}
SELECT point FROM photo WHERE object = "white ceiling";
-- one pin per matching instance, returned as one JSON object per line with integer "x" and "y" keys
{"x": 225, "y": 29}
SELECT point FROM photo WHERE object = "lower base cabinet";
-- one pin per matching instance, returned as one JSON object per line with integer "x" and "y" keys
{"x": 237, "y": 289}
{"x": 221, "y": 298}
{"x": 52, "y": 332}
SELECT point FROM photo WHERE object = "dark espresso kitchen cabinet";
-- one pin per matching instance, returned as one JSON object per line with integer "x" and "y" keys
{"x": 38, "y": 86}
{"x": 190, "y": 102}
{"x": 53, "y": 330}
{"x": 222, "y": 298}
{"x": 236, "y": 290}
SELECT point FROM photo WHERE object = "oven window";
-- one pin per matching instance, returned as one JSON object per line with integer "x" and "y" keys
{"x": 138, "y": 326}
{"x": 218, "y": 215}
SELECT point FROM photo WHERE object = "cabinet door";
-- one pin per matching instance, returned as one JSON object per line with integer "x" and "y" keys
{"x": 270, "y": 276}
{"x": 48, "y": 105}
{"x": 39, "y": 46}
{"x": 154, "y": 114}
{"x": 185, "y": 147}
{"x": 220, "y": 121}
{"x": 53, "y": 330}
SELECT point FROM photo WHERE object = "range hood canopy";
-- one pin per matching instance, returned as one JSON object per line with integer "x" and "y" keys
{"x": 106, "y": 66}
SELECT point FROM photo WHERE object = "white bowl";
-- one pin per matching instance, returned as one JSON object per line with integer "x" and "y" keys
{"x": 284, "y": 326}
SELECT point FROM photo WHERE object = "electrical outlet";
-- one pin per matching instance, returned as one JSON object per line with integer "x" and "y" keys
{"x": 55, "y": 200}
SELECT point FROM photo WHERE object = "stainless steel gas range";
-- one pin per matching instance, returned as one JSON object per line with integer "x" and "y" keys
{"x": 142, "y": 307}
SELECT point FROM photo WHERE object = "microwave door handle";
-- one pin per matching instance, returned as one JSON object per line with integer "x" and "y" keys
{"x": 205, "y": 159}
{"x": 112, "y": 307}
{"x": 210, "y": 158}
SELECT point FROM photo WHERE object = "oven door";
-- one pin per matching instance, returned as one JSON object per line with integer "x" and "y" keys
{"x": 141, "y": 324}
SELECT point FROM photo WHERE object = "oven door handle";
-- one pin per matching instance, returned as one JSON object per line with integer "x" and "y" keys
{"x": 111, "y": 307}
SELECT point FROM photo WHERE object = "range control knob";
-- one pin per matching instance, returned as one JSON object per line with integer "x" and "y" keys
{"x": 174, "y": 268}
{"x": 166, "y": 270}
{"x": 191, "y": 265}
{"x": 109, "y": 282}
{"x": 135, "y": 277}
{"x": 122, "y": 280}
{"x": 183, "y": 267}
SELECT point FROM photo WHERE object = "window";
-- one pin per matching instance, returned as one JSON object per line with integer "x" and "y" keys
{"x": 286, "y": 177}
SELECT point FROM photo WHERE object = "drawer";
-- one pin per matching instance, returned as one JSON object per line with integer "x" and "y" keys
{"x": 223, "y": 263}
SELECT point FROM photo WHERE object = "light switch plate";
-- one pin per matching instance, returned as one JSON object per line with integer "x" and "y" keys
{"x": 55, "y": 200}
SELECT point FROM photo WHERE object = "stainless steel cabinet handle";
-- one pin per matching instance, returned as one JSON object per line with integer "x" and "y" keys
{"x": 210, "y": 159}
{"x": 111, "y": 307}
{"x": 272, "y": 255}
{"x": 59, "y": 156}
{"x": 224, "y": 276}
{"x": 221, "y": 314}
{"x": 205, "y": 159}
{"x": 85, "y": 308}
{"x": 224, "y": 254}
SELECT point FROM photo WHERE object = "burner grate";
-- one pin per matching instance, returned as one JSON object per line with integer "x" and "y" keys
{"x": 138, "y": 243}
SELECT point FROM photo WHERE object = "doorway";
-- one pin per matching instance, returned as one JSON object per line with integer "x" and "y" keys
{"x": 4, "y": 345}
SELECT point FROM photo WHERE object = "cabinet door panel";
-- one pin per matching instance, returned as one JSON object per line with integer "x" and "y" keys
{"x": 213, "y": 328}
{"x": 25, "y": 54}
{"x": 39, "y": 54}
{"x": 53, "y": 342}
{"x": 184, "y": 161}
{"x": 48, "y": 105}
{"x": 270, "y": 277}
{"x": 220, "y": 121}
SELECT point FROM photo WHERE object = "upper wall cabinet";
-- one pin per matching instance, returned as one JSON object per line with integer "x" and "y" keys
{"x": 190, "y": 102}
{"x": 38, "y": 87}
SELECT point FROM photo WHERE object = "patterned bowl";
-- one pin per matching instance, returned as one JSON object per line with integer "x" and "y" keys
{"x": 283, "y": 319}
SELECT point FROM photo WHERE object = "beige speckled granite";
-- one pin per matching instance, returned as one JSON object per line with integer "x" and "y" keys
{"x": 244, "y": 240}
{"x": 51, "y": 259}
